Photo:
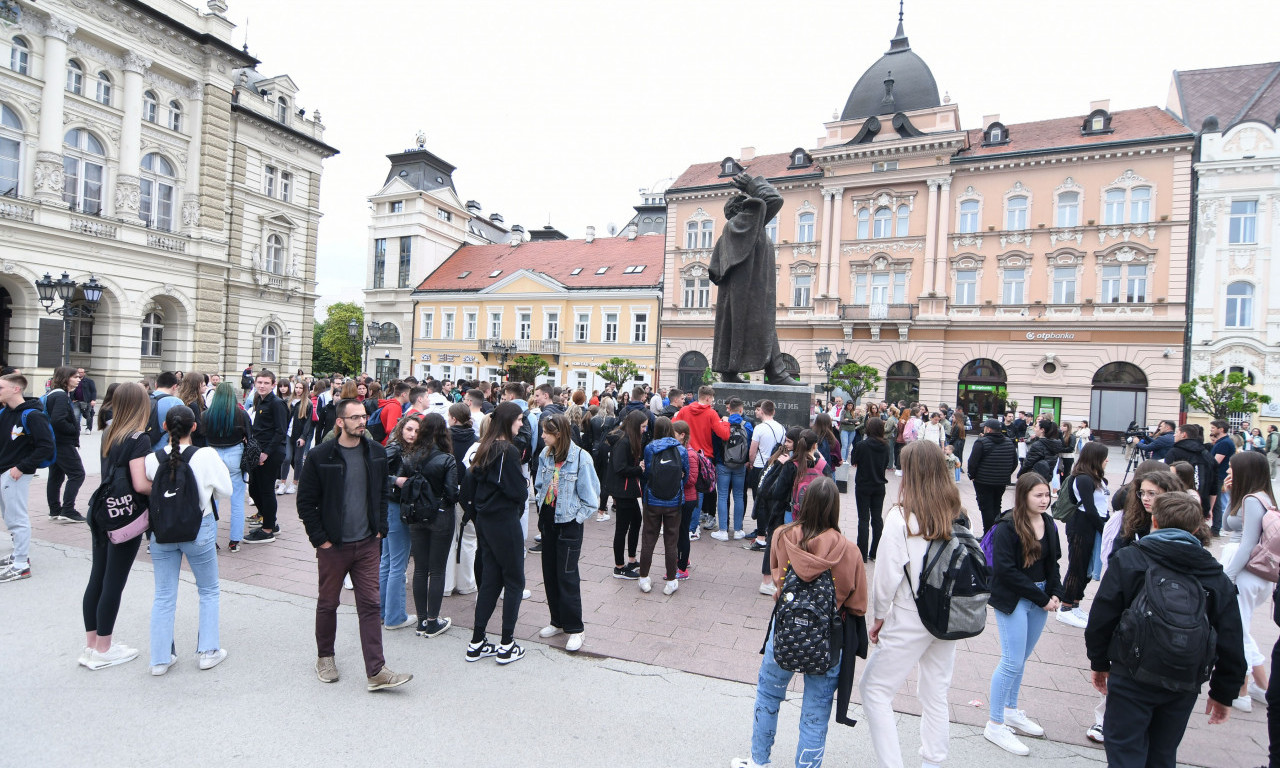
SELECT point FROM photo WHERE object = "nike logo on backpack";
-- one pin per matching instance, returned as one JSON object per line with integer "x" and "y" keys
{"x": 666, "y": 461}
{"x": 170, "y": 494}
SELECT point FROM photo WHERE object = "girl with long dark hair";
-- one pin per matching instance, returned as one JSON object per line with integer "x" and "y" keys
{"x": 298, "y": 436}
{"x": 104, "y": 408}
{"x": 871, "y": 461}
{"x": 404, "y": 450}
{"x": 435, "y": 461}
{"x": 67, "y": 467}
{"x": 829, "y": 444}
{"x": 625, "y": 474}
{"x": 791, "y": 470}
{"x": 227, "y": 428}
{"x": 1249, "y": 483}
{"x": 1087, "y": 485}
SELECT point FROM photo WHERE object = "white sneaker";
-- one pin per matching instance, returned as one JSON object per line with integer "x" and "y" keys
{"x": 646, "y": 584}
{"x": 291, "y": 489}
{"x": 549, "y": 631}
{"x": 279, "y": 489}
{"x": 116, "y": 654}
{"x": 1094, "y": 734}
{"x": 346, "y": 582}
{"x": 1018, "y": 720}
{"x": 897, "y": 473}
{"x": 410, "y": 621}
{"x": 1257, "y": 693}
{"x": 768, "y": 589}
{"x": 211, "y": 659}
{"x": 739, "y": 535}
{"x": 602, "y": 517}
{"x": 1244, "y": 704}
{"x": 1002, "y": 737}
{"x": 720, "y": 535}
{"x": 574, "y": 643}
{"x": 671, "y": 586}
{"x": 525, "y": 595}
{"x": 1072, "y": 618}
{"x": 745, "y": 762}
{"x": 159, "y": 669}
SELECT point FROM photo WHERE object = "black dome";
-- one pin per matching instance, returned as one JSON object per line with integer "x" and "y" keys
{"x": 913, "y": 85}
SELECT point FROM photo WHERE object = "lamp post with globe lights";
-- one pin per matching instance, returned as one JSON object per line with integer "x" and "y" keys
{"x": 64, "y": 289}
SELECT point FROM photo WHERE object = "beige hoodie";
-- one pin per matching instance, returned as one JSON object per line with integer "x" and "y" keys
{"x": 829, "y": 550}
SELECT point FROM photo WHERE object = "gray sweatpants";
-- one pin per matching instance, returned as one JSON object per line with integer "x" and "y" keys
{"x": 13, "y": 505}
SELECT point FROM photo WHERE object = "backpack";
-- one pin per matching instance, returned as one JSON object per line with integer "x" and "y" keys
{"x": 706, "y": 480}
{"x": 666, "y": 475}
{"x": 374, "y": 425}
{"x": 154, "y": 429}
{"x": 810, "y": 474}
{"x": 116, "y": 508}
{"x": 1264, "y": 561}
{"x": 420, "y": 502}
{"x": 175, "y": 503}
{"x": 988, "y": 543}
{"x": 600, "y": 451}
{"x": 737, "y": 447}
{"x": 53, "y": 457}
{"x": 954, "y": 587}
{"x": 807, "y": 630}
{"x": 1064, "y": 508}
{"x": 1164, "y": 637}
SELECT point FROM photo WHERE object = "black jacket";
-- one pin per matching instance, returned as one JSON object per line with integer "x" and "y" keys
{"x": 320, "y": 491}
{"x": 86, "y": 393}
{"x": 551, "y": 410}
{"x": 775, "y": 494}
{"x": 327, "y": 418}
{"x": 28, "y": 449}
{"x": 871, "y": 457}
{"x": 439, "y": 468}
{"x": 1087, "y": 521}
{"x": 1043, "y": 453}
{"x": 496, "y": 487}
{"x": 639, "y": 405}
{"x": 1124, "y": 580}
{"x": 1197, "y": 455}
{"x": 270, "y": 420}
{"x": 63, "y": 417}
{"x": 1009, "y": 579}
{"x": 624, "y": 471}
{"x": 992, "y": 460}
{"x": 463, "y": 438}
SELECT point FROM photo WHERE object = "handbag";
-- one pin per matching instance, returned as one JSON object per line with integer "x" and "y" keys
{"x": 1264, "y": 560}
{"x": 249, "y": 456}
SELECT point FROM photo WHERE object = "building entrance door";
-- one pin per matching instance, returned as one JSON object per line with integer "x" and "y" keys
{"x": 1048, "y": 405}
{"x": 981, "y": 390}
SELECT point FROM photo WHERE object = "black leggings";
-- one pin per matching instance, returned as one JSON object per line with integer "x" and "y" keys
{"x": 897, "y": 453}
{"x": 1079, "y": 556}
{"x": 430, "y": 548}
{"x": 502, "y": 551}
{"x": 601, "y": 466}
{"x": 68, "y": 467}
{"x": 682, "y": 542}
{"x": 1273, "y": 707}
{"x": 107, "y": 577}
{"x": 870, "y": 502}
{"x": 626, "y": 514}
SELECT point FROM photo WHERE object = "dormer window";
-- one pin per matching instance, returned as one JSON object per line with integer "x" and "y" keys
{"x": 495, "y": 273}
{"x": 465, "y": 274}
{"x": 576, "y": 271}
{"x": 800, "y": 159}
{"x": 282, "y": 109}
{"x": 995, "y": 135}
{"x": 602, "y": 270}
{"x": 729, "y": 167}
{"x": 1097, "y": 123}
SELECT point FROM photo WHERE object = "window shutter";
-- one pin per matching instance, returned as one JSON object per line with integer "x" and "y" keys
{"x": 49, "y": 347}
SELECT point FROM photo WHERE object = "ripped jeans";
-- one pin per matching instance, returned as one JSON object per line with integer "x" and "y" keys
{"x": 815, "y": 711}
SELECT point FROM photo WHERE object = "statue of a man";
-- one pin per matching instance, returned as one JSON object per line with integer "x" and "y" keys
{"x": 743, "y": 266}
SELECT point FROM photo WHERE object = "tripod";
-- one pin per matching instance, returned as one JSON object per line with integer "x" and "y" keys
{"x": 1134, "y": 456}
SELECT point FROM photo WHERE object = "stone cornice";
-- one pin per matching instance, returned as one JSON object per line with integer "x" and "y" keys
{"x": 271, "y": 127}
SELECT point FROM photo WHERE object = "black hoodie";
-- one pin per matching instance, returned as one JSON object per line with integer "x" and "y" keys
{"x": 497, "y": 487}
{"x": 1123, "y": 581}
{"x": 993, "y": 459}
{"x": 1194, "y": 453}
{"x": 24, "y": 449}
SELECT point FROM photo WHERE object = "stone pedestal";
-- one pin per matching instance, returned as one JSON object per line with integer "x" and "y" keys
{"x": 791, "y": 404}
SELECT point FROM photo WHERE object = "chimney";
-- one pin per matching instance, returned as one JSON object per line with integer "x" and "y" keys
{"x": 517, "y": 237}
{"x": 473, "y": 206}
{"x": 1104, "y": 104}
{"x": 632, "y": 230}
{"x": 496, "y": 218}
{"x": 517, "y": 228}
{"x": 748, "y": 154}
{"x": 591, "y": 234}
{"x": 987, "y": 120}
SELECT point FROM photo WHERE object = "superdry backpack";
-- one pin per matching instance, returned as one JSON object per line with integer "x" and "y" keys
{"x": 738, "y": 447}
{"x": 954, "y": 587}
{"x": 807, "y": 632}
{"x": 1164, "y": 637}
{"x": 666, "y": 476}
{"x": 175, "y": 501}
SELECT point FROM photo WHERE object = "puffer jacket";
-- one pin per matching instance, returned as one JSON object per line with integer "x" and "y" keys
{"x": 993, "y": 459}
{"x": 1042, "y": 456}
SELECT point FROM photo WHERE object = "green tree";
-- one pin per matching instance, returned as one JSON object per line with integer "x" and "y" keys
{"x": 855, "y": 379}
{"x": 527, "y": 368}
{"x": 334, "y": 350}
{"x": 1222, "y": 394}
{"x": 618, "y": 370}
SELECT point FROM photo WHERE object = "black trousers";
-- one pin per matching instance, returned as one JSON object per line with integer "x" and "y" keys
{"x": 682, "y": 541}
{"x": 262, "y": 488}
{"x": 897, "y": 453}
{"x": 990, "y": 499}
{"x": 601, "y": 468}
{"x": 626, "y": 528}
{"x": 1144, "y": 725}
{"x": 429, "y": 544}
{"x": 561, "y": 548}
{"x": 68, "y": 468}
{"x": 1079, "y": 555}
{"x": 870, "y": 502}
{"x": 774, "y": 520}
{"x": 107, "y": 577}
{"x": 1273, "y": 709}
{"x": 751, "y": 483}
{"x": 502, "y": 550}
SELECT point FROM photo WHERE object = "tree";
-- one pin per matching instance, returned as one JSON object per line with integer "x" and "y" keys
{"x": 333, "y": 348}
{"x": 618, "y": 370}
{"x": 855, "y": 379}
{"x": 1222, "y": 394}
{"x": 527, "y": 368}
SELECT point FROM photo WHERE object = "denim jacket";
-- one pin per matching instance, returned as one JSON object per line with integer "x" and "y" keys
{"x": 579, "y": 490}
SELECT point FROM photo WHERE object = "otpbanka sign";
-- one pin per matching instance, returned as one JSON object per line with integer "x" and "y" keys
{"x": 1049, "y": 335}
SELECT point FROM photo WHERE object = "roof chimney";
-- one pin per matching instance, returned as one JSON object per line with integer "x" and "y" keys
{"x": 591, "y": 234}
{"x": 631, "y": 231}
{"x": 1104, "y": 104}
{"x": 748, "y": 154}
{"x": 987, "y": 120}
{"x": 496, "y": 218}
{"x": 517, "y": 228}
{"x": 473, "y": 206}
{"x": 516, "y": 238}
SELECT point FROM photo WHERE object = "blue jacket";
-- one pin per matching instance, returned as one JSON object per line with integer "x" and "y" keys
{"x": 717, "y": 445}
{"x": 651, "y": 452}
{"x": 1160, "y": 446}
{"x": 579, "y": 488}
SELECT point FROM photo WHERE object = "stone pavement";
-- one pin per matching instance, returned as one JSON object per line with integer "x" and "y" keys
{"x": 715, "y": 624}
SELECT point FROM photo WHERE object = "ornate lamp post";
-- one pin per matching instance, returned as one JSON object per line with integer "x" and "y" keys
{"x": 823, "y": 358}
{"x": 64, "y": 288}
{"x": 503, "y": 351}
{"x": 353, "y": 330}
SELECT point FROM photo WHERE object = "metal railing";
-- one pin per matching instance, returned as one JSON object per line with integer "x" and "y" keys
{"x": 877, "y": 311}
{"x": 522, "y": 346}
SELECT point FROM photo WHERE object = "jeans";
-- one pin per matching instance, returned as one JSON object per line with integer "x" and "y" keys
{"x": 391, "y": 568}
{"x": 1144, "y": 724}
{"x": 430, "y": 544}
{"x": 359, "y": 559}
{"x": 846, "y": 444}
{"x": 108, "y": 575}
{"x": 13, "y": 507}
{"x": 815, "y": 712}
{"x": 1019, "y": 632}
{"x": 231, "y": 459}
{"x": 561, "y": 548}
{"x": 202, "y": 556}
{"x": 731, "y": 479}
{"x": 695, "y": 518}
{"x": 1220, "y": 510}
{"x": 668, "y": 520}
{"x": 870, "y": 502}
{"x": 68, "y": 468}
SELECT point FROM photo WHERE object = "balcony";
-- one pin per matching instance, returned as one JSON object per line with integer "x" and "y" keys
{"x": 877, "y": 312}
{"x": 521, "y": 346}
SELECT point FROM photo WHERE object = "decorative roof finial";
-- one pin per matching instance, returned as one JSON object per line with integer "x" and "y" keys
{"x": 900, "y": 11}
{"x": 421, "y": 140}
{"x": 899, "y": 41}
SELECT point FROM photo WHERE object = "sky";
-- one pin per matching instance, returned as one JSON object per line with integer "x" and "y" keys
{"x": 561, "y": 112}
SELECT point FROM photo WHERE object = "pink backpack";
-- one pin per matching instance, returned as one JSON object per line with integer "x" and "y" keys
{"x": 1264, "y": 561}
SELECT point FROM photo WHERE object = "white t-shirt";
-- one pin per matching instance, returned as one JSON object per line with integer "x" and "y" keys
{"x": 212, "y": 477}
{"x": 766, "y": 435}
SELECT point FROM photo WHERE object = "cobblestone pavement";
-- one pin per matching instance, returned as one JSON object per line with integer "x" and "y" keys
{"x": 715, "y": 624}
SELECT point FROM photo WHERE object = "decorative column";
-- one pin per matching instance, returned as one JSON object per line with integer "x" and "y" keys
{"x": 940, "y": 250}
{"x": 930, "y": 237}
{"x": 824, "y": 248}
{"x": 831, "y": 282}
{"x": 49, "y": 178}
{"x": 191, "y": 193}
{"x": 127, "y": 189}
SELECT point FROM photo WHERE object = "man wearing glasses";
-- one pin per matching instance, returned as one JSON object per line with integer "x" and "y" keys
{"x": 26, "y": 442}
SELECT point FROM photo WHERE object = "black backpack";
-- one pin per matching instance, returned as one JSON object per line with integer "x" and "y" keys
{"x": 154, "y": 429}
{"x": 807, "y": 631}
{"x": 738, "y": 447}
{"x": 600, "y": 451}
{"x": 420, "y": 500}
{"x": 666, "y": 475}
{"x": 1164, "y": 637}
{"x": 954, "y": 586}
{"x": 175, "y": 501}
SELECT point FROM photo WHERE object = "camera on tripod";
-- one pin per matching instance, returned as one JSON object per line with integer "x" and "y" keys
{"x": 1133, "y": 430}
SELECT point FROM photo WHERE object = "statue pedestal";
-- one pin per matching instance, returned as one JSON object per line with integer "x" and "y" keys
{"x": 791, "y": 404}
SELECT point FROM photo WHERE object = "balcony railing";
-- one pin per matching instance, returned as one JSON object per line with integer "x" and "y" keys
{"x": 871, "y": 312}
{"x": 522, "y": 346}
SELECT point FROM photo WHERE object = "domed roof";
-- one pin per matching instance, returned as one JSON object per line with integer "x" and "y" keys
{"x": 912, "y": 86}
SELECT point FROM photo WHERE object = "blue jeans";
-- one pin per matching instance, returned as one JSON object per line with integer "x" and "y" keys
{"x": 736, "y": 480}
{"x": 1019, "y": 632}
{"x": 391, "y": 568}
{"x": 696, "y": 518}
{"x": 202, "y": 556}
{"x": 815, "y": 712}
{"x": 1220, "y": 510}
{"x": 231, "y": 458}
{"x": 846, "y": 443}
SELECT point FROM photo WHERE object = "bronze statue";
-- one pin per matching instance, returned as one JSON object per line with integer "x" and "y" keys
{"x": 743, "y": 266}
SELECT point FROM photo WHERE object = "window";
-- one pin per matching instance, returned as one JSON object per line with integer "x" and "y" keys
{"x": 448, "y": 325}
{"x": 899, "y": 287}
{"x": 270, "y": 343}
{"x": 582, "y": 327}
{"x": 175, "y": 116}
{"x": 611, "y": 327}
{"x": 443, "y": 215}
{"x": 887, "y": 165}
{"x": 269, "y": 177}
{"x": 275, "y": 254}
{"x": 75, "y": 77}
{"x": 1244, "y": 221}
{"x": 1140, "y": 205}
{"x": 771, "y": 229}
{"x": 428, "y": 324}
{"x": 524, "y": 323}
{"x": 882, "y": 223}
{"x": 470, "y": 320}
{"x": 904, "y": 221}
{"x": 1113, "y": 212}
{"x": 406, "y": 258}
{"x": 640, "y": 330}
{"x": 396, "y": 206}
{"x": 157, "y": 185}
{"x": 282, "y": 109}
{"x": 1064, "y": 285}
{"x": 1014, "y": 284}
{"x": 966, "y": 286}
{"x": 707, "y": 227}
{"x": 1016, "y": 215}
{"x": 864, "y": 223}
{"x": 697, "y": 292}
{"x": 968, "y": 217}
{"x": 10, "y": 151}
{"x": 1069, "y": 209}
{"x": 1097, "y": 123}
{"x": 995, "y": 135}
{"x": 495, "y": 325}
{"x": 602, "y": 270}
{"x": 19, "y": 55}
{"x": 576, "y": 271}
{"x": 804, "y": 228}
{"x": 879, "y": 289}
{"x": 83, "y": 171}
{"x": 1111, "y": 276}
{"x": 152, "y": 334}
{"x": 103, "y": 93}
{"x": 286, "y": 186}
{"x": 1136, "y": 283}
{"x": 800, "y": 288}
{"x": 81, "y": 335}
{"x": 150, "y": 107}
{"x": 553, "y": 325}
{"x": 860, "y": 288}
{"x": 634, "y": 269}
{"x": 691, "y": 235}
{"x": 380, "y": 262}
{"x": 1240, "y": 305}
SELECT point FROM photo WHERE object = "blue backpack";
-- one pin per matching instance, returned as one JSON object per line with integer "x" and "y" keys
{"x": 53, "y": 458}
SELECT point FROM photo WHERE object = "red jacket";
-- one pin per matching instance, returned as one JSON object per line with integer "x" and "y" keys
{"x": 392, "y": 410}
{"x": 703, "y": 422}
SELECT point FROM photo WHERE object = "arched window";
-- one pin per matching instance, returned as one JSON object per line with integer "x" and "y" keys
{"x": 902, "y": 382}
{"x": 84, "y": 171}
{"x": 1123, "y": 375}
{"x": 158, "y": 185}
{"x": 150, "y": 107}
{"x": 904, "y": 221}
{"x": 1069, "y": 209}
{"x": 689, "y": 371}
{"x": 1113, "y": 212}
{"x": 968, "y": 217}
{"x": 152, "y": 334}
{"x": 175, "y": 116}
{"x": 10, "y": 151}
{"x": 282, "y": 109}
{"x": 882, "y": 225}
{"x": 864, "y": 223}
{"x": 19, "y": 55}
{"x": 1240, "y": 305}
{"x": 275, "y": 254}
{"x": 1016, "y": 217}
{"x": 388, "y": 334}
{"x": 103, "y": 94}
{"x": 1140, "y": 205}
{"x": 804, "y": 228}
{"x": 75, "y": 77}
{"x": 270, "y": 348}
{"x": 691, "y": 235}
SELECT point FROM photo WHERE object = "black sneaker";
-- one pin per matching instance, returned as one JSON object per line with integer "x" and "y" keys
{"x": 754, "y": 546}
{"x": 631, "y": 571}
{"x": 536, "y": 548}
{"x": 233, "y": 546}
{"x": 481, "y": 650}
{"x": 259, "y": 537}
{"x": 434, "y": 627}
{"x": 509, "y": 653}
{"x": 72, "y": 517}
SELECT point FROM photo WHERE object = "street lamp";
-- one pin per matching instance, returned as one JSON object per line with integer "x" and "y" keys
{"x": 503, "y": 351}
{"x": 64, "y": 288}
{"x": 823, "y": 358}
{"x": 353, "y": 330}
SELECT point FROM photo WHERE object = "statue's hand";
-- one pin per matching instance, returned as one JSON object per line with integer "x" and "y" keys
{"x": 742, "y": 180}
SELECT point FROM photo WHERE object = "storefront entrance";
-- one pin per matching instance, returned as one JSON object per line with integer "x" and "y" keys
{"x": 1119, "y": 397}
{"x": 1048, "y": 406}
{"x": 981, "y": 391}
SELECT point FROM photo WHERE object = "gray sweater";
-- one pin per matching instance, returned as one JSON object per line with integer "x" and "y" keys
{"x": 1245, "y": 528}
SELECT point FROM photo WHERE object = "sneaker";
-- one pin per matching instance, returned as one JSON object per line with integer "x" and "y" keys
{"x": 254, "y": 522}
{"x": 1094, "y": 734}
{"x": 159, "y": 669}
{"x": 509, "y": 653}
{"x": 768, "y": 589}
{"x": 251, "y": 518}
{"x": 897, "y": 473}
{"x": 1073, "y": 617}
{"x": 1018, "y": 721}
{"x": 754, "y": 546}
{"x": 116, "y": 654}
{"x": 525, "y": 595}
{"x": 346, "y": 582}
{"x": 551, "y": 630}
{"x": 327, "y": 669}
{"x": 72, "y": 517}
{"x": 695, "y": 535}
{"x": 211, "y": 659}
{"x": 602, "y": 517}
{"x": 1002, "y": 737}
{"x": 55, "y": 517}
{"x": 481, "y": 650}
{"x": 646, "y": 584}
{"x": 291, "y": 489}
{"x": 434, "y": 627}
{"x": 720, "y": 535}
{"x": 388, "y": 679}
{"x": 233, "y": 546}
{"x": 15, "y": 572}
{"x": 682, "y": 574}
{"x": 1257, "y": 693}
{"x": 259, "y": 537}
{"x": 739, "y": 534}
{"x": 626, "y": 573}
{"x": 574, "y": 643}
{"x": 745, "y": 762}
{"x": 409, "y": 621}
{"x": 1244, "y": 704}
{"x": 671, "y": 587}
{"x": 707, "y": 522}
{"x": 7, "y": 561}
{"x": 536, "y": 548}
{"x": 83, "y": 658}
{"x": 279, "y": 489}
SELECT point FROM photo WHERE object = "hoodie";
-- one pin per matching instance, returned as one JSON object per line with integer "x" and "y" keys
{"x": 703, "y": 423}
{"x": 651, "y": 452}
{"x": 829, "y": 550}
{"x": 25, "y": 449}
{"x": 498, "y": 487}
{"x": 639, "y": 405}
{"x": 1206, "y": 472}
{"x": 1043, "y": 450}
{"x": 391, "y": 411}
{"x": 1179, "y": 551}
{"x": 993, "y": 459}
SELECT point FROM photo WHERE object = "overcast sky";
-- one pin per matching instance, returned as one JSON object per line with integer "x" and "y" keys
{"x": 562, "y": 111}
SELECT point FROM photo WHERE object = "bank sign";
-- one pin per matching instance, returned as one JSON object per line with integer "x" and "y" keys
{"x": 1049, "y": 336}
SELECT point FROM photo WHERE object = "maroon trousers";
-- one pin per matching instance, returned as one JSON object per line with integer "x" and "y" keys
{"x": 360, "y": 559}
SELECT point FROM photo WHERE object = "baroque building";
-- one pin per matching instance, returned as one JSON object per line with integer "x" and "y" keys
{"x": 134, "y": 139}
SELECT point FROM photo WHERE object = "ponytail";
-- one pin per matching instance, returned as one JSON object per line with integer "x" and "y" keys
{"x": 179, "y": 421}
